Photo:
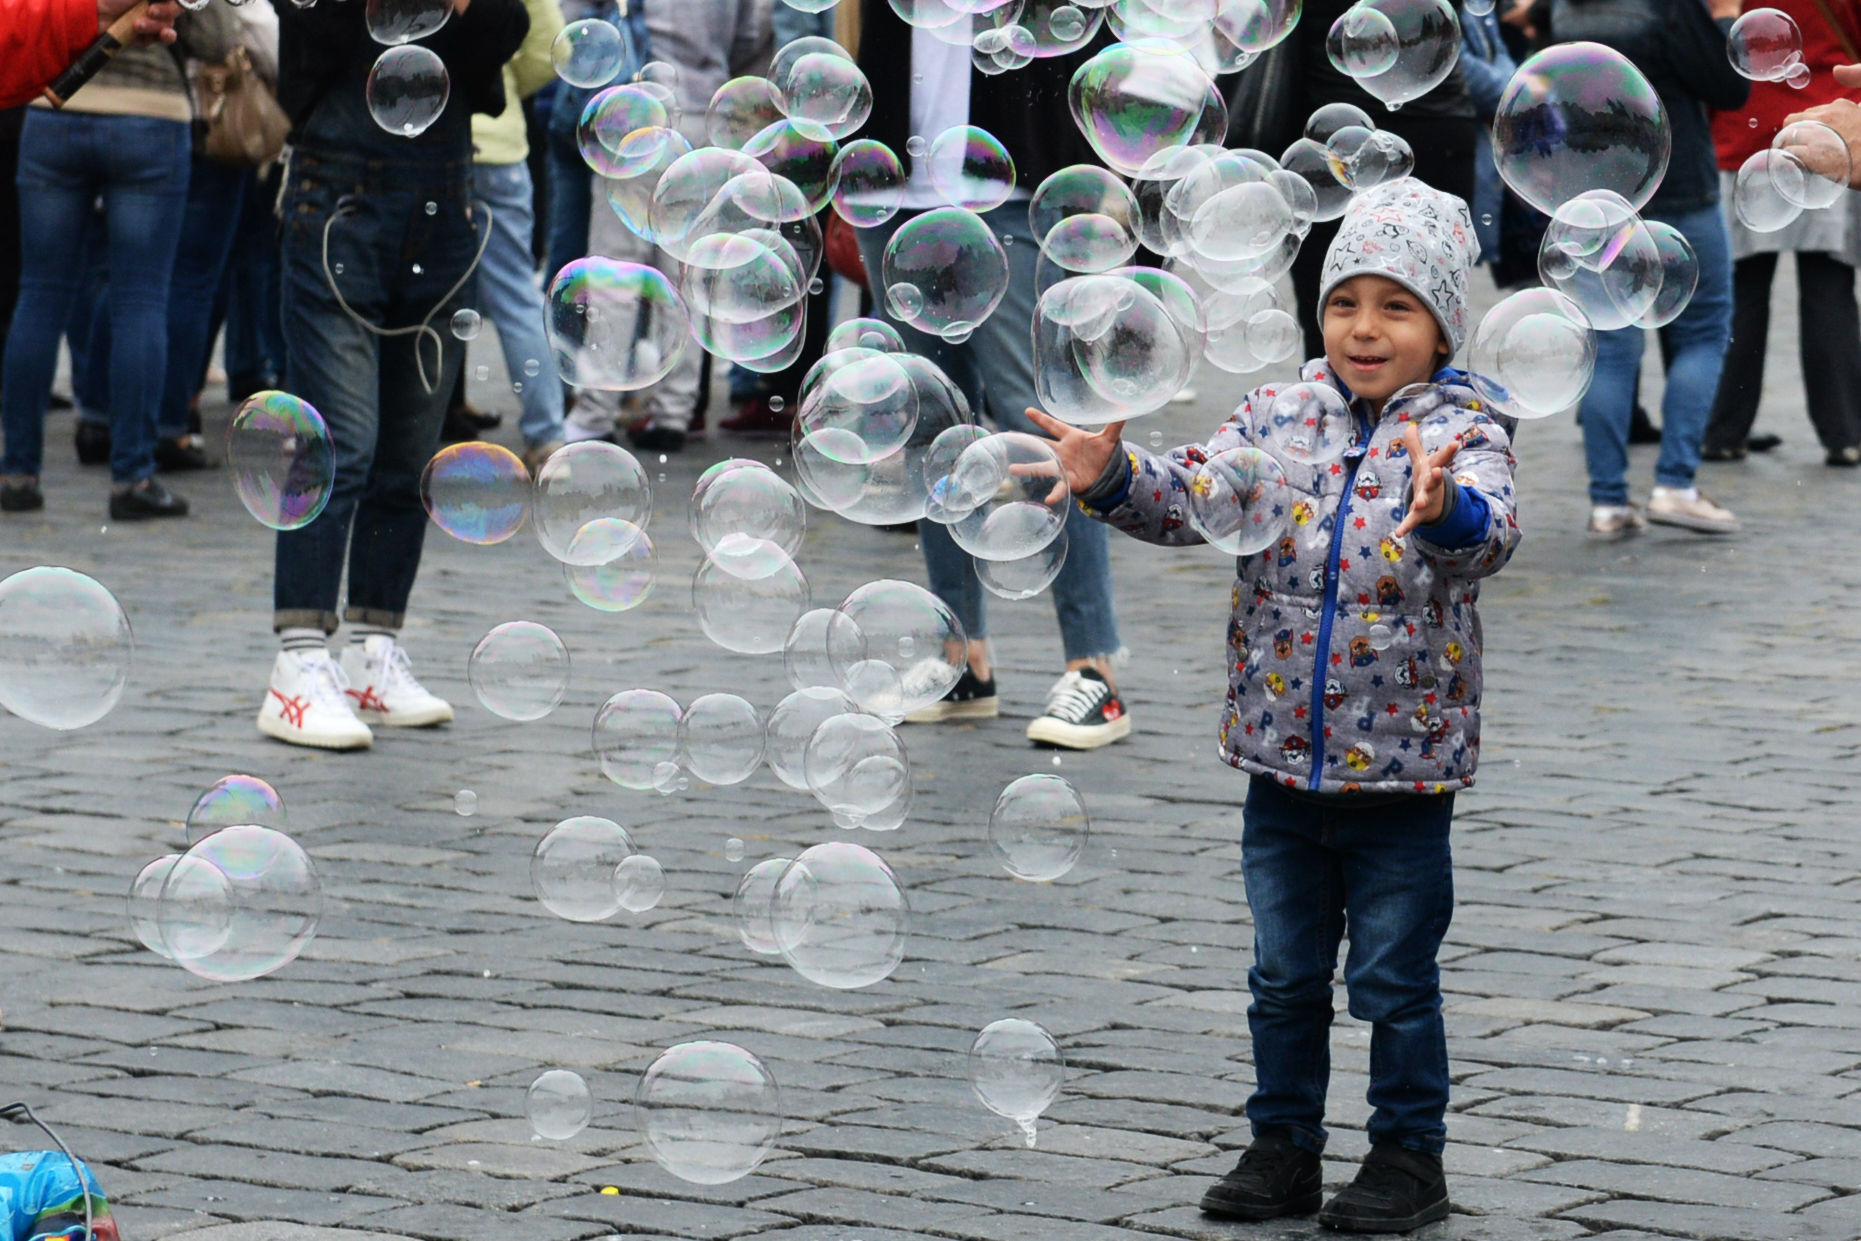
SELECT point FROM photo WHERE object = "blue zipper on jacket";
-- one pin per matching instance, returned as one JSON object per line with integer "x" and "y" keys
{"x": 1324, "y": 626}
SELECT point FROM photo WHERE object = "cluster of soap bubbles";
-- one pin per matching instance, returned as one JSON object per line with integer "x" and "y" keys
{"x": 1396, "y": 50}
{"x": 1620, "y": 270}
{"x": 1766, "y": 45}
{"x": 242, "y": 901}
{"x": 586, "y": 869}
{"x": 1806, "y": 168}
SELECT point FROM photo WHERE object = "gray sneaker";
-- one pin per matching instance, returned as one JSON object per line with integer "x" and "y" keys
{"x": 1691, "y": 510}
{"x": 1616, "y": 521}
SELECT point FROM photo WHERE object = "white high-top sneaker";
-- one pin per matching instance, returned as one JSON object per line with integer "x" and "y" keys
{"x": 306, "y": 704}
{"x": 382, "y": 688}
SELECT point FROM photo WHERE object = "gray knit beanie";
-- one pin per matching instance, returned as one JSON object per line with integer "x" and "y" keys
{"x": 1409, "y": 232}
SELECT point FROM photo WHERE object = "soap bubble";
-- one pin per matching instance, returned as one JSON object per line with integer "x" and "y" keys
{"x": 407, "y": 90}
{"x": 1243, "y": 221}
{"x": 465, "y": 803}
{"x": 466, "y": 323}
{"x": 587, "y": 482}
{"x": 558, "y": 1104}
{"x": 241, "y": 904}
{"x": 1416, "y": 44}
{"x": 686, "y": 188}
{"x": 895, "y": 488}
{"x": 733, "y": 849}
{"x": 862, "y": 407}
{"x": 1769, "y": 189}
{"x": 1016, "y": 1070}
{"x": 823, "y": 481}
{"x": 1597, "y": 252}
{"x": 635, "y": 731}
{"x": 519, "y": 670}
{"x": 1013, "y": 490}
{"x": 875, "y": 334}
{"x": 821, "y": 640}
{"x": 915, "y": 648}
{"x": 855, "y": 765}
{"x": 588, "y": 53}
{"x": 745, "y": 293}
{"x": 278, "y": 449}
{"x": 1311, "y": 160}
{"x": 65, "y": 648}
{"x": 476, "y": 492}
{"x": 1533, "y": 355}
{"x": 654, "y": 151}
{"x": 1023, "y": 578}
{"x": 943, "y": 271}
{"x": 869, "y": 183}
{"x": 1764, "y": 45}
{"x": 802, "y": 151}
{"x": 622, "y": 564}
{"x": 721, "y": 739}
{"x": 614, "y": 326}
{"x": 889, "y": 817}
{"x": 1362, "y": 42}
{"x": 1248, "y": 328}
{"x": 751, "y": 907}
{"x": 572, "y": 870}
{"x": 1327, "y": 121}
{"x": 791, "y": 727}
{"x": 1107, "y": 349}
{"x": 640, "y": 882}
{"x": 232, "y": 800}
{"x": 1679, "y": 275}
{"x": 608, "y": 119}
{"x": 1038, "y": 828}
{"x": 201, "y": 919}
{"x": 1084, "y": 219}
{"x": 1822, "y": 156}
{"x": 1576, "y": 117}
{"x": 840, "y": 916}
{"x": 708, "y": 1112}
{"x": 144, "y": 903}
{"x": 1239, "y": 501}
{"x": 740, "y": 109}
{"x": 394, "y": 22}
{"x": 750, "y": 615}
{"x": 1309, "y": 423}
{"x": 1135, "y": 101}
{"x": 748, "y": 520}
{"x": 970, "y": 168}
{"x": 827, "y": 89}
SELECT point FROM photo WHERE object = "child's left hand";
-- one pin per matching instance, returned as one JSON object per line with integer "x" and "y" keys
{"x": 1429, "y": 478}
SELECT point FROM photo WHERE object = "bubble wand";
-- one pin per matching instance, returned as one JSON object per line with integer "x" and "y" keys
{"x": 121, "y": 32}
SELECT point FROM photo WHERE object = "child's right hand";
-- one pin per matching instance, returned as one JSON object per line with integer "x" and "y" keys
{"x": 1083, "y": 454}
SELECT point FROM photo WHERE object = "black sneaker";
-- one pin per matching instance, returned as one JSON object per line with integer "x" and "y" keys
{"x": 649, "y": 436}
{"x": 22, "y": 496}
{"x": 148, "y": 498}
{"x": 181, "y": 455}
{"x": 968, "y": 699}
{"x": 93, "y": 441}
{"x": 1764, "y": 443}
{"x": 1274, "y": 1178}
{"x": 1843, "y": 457}
{"x": 1396, "y": 1190}
{"x": 1083, "y": 713}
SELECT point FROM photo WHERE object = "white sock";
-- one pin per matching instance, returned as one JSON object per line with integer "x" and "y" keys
{"x": 360, "y": 634}
{"x": 303, "y": 638}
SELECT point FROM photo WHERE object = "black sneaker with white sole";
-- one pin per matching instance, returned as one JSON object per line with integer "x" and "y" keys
{"x": 1083, "y": 713}
{"x": 969, "y": 699}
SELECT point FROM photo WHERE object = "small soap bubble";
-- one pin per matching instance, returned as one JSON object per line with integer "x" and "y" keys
{"x": 733, "y": 850}
{"x": 465, "y": 803}
{"x": 708, "y": 1112}
{"x": 233, "y": 800}
{"x": 240, "y": 904}
{"x": 639, "y": 883}
{"x": 1156, "y": 439}
{"x": 558, "y": 1105}
{"x": 481, "y": 373}
{"x": 283, "y": 465}
{"x": 466, "y": 324}
{"x": 519, "y": 670}
{"x": 532, "y": 367}
{"x": 1038, "y": 828}
{"x": 1765, "y": 45}
{"x": 588, "y": 53}
{"x": 916, "y": 145}
{"x": 816, "y": 285}
{"x": 432, "y": 208}
{"x": 1016, "y": 1070}
{"x": 777, "y": 405}
{"x": 517, "y": 388}
{"x": 1381, "y": 638}
{"x": 65, "y": 647}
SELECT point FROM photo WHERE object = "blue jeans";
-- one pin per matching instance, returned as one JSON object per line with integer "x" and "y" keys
{"x": 508, "y": 296}
{"x": 214, "y": 194}
{"x": 995, "y": 368}
{"x": 139, "y": 165}
{"x": 1695, "y": 343}
{"x": 1311, "y": 866}
{"x": 571, "y": 198}
{"x": 394, "y": 264}
{"x": 249, "y": 289}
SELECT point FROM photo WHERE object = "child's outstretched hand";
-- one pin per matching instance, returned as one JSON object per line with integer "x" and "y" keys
{"x": 1429, "y": 477}
{"x": 1083, "y": 454}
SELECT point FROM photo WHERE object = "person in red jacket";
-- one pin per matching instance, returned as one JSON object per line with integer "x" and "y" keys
{"x": 1827, "y": 245}
{"x": 38, "y": 38}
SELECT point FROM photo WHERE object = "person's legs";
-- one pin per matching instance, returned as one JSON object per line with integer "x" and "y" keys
{"x": 670, "y": 402}
{"x": 1831, "y": 341}
{"x": 1741, "y": 381}
{"x": 11, "y": 122}
{"x": 1605, "y": 413}
{"x": 1697, "y": 339}
{"x": 211, "y": 220}
{"x": 508, "y": 295}
{"x": 571, "y": 204}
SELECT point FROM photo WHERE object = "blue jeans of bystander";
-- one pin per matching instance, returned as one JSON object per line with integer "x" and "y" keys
{"x": 508, "y": 296}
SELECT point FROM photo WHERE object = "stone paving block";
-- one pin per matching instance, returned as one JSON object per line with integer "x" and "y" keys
{"x": 283, "y": 1230}
{"x": 1707, "y": 1223}
{"x": 1012, "y": 1162}
{"x": 154, "y": 1223}
{"x": 1615, "y": 1086}
{"x": 1074, "y": 1202}
{"x": 444, "y": 1221}
{"x": 630, "y": 1213}
{"x": 283, "y": 1169}
{"x": 843, "y": 1205}
{"x": 241, "y": 1201}
{"x": 1514, "y": 1198}
{"x": 1677, "y": 1185}
{"x": 1803, "y": 1138}
{"x": 1841, "y": 1175}
{"x": 311, "y": 1137}
{"x": 1576, "y": 1013}
{"x": 646, "y": 1179}
{"x": 1644, "y": 1146}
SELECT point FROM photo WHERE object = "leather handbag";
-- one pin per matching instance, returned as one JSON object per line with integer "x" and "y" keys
{"x": 245, "y": 125}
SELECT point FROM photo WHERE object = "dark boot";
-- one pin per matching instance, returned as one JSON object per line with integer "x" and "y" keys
{"x": 21, "y": 495}
{"x": 1396, "y": 1190}
{"x": 148, "y": 498}
{"x": 178, "y": 456}
{"x": 1274, "y": 1178}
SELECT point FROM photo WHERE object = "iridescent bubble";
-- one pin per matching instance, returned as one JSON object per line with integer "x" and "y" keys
{"x": 821, "y": 640}
{"x": 791, "y": 727}
{"x": 1309, "y": 423}
{"x": 1598, "y": 252}
{"x": 733, "y": 849}
{"x": 745, "y": 292}
{"x": 558, "y": 1104}
{"x": 572, "y": 869}
{"x": 915, "y": 648}
{"x": 640, "y": 882}
{"x": 840, "y": 916}
{"x": 1239, "y": 501}
{"x": 1576, "y": 117}
{"x": 855, "y": 765}
{"x": 1310, "y": 160}
{"x": 1764, "y": 45}
{"x": 753, "y": 903}
{"x": 588, "y": 53}
{"x": 721, "y": 739}
{"x": 1416, "y": 43}
{"x": 894, "y": 489}
{"x": 824, "y": 481}
{"x": 1533, "y": 355}
{"x": 758, "y": 202}
{"x": 1242, "y": 221}
{"x": 519, "y": 670}
{"x": 585, "y": 482}
{"x": 241, "y": 904}
{"x": 1084, "y": 219}
{"x": 955, "y": 268}
{"x": 861, "y": 409}
{"x": 1768, "y": 190}
{"x": 144, "y": 903}
{"x": 1325, "y": 122}
{"x": 708, "y": 1112}
{"x": 1107, "y": 349}
{"x": 608, "y": 118}
{"x": 65, "y": 648}
{"x": 654, "y": 151}
{"x": 614, "y": 325}
{"x": 1134, "y": 102}
{"x": 686, "y": 188}
{"x": 635, "y": 731}
{"x": 869, "y": 183}
{"x": 1024, "y": 578}
{"x": 394, "y": 22}
{"x": 466, "y": 323}
{"x": 1362, "y": 42}
{"x": 751, "y": 616}
{"x": 748, "y": 520}
{"x": 1014, "y": 490}
{"x": 624, "y": 565}
{"x": 970, "y": 168}
{"x": 875, "y": 334}
{"x": 465, "y": 803}
{"x": 915, "y": 145}
{"x": 740, "y": 109}
{"x": 1823, "y": 157}
{"x": 232, "y": 800}
{"x": 828, "y": 89}
{"x": 476, "y": 492}
{"x": 278, "y": 449}
{"x": 1016, "y": 1070}
{"x": 407, "y": 89}
{"x": 802, "y": 151}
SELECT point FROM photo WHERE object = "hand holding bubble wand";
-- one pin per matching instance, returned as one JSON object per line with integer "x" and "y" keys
{"x": 137, "y": 23}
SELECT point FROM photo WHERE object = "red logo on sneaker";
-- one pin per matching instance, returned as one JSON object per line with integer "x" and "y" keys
{"x": 367, "y": 699}
{"x": 292, "y": 709}
{"x": 1113, "y": 710}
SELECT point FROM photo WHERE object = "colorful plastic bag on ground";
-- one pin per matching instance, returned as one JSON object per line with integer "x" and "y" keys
{"x": 40, "y": 1200}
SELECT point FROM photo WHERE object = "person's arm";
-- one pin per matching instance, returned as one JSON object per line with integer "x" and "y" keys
{"x": 1695, "y": 49}
{"x": 532, "y": 66}
{"x": 1844, "y": 117}
{"x": 39, "y": 38}
{"x": 1463, "y": 511}
{"x": 475, "y": 44}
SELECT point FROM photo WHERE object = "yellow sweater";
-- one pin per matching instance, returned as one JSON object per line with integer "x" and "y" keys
{"x": 501, "y": 139}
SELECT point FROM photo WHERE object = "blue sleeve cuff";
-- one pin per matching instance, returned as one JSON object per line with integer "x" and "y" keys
{"x": 1113, "y": 487}
{"x": 1463, "y": 524}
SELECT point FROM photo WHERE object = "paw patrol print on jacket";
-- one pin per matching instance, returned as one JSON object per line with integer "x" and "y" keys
{"x": 1315, "y": 699}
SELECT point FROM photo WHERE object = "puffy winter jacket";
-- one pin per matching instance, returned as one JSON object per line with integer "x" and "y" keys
{"x": 1353, "y": 657}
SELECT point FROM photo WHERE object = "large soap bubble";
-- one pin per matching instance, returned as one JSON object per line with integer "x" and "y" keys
{"x": 791, "y": 727}
{"x": 721, "y": 739}
{"x": 750, "y": 615}
{"x": 748, "y": 519}
{"x": 1136, "y": 101}
{"x": 686, "y": 188}
{"x": 1038, "y": 828}
{"x": 1362, "y": 42}
{"x": 1533, "y": 355}
{"x": 653, "y": 151}
{"x": 745, "y": 292}
{"x": 476, "y": 492}
{"x": 1309, "y": 423}
{"x": 611, "y": 564}
{"x": 840, "y": 916}
{"x": 1026, "y": 577}
{"x": 856, "y": 765}
{"x": 407, "y": 90}
{"x": 944, "y": 272}
{"x": 827, "y": 89}
{"x": 233, "y": 800}
{"x": 1598, "y": 252}
{"x": 860, "y": 410}
{"x": 1239, "y": 501}
{"x": 740, "y": 109}
{"x": 241, "y": 904}
{"x": 970, "y": 168}
{"x": 582, "y": 483}
{"x": 1399, "y": 50}
{"x": 869, "y": 183}
{"x": 608, "y": 119}
{"x": 394, "y": 22}
{"x": 1768, "y": 190}
{"x": 821, "y": 640}
{"x": 634, "y": 732}
{"x": 708, "y": 1112}
{"x": 1016, "y": 1070}
{"x": 519, "y": 670}
{"x": 558, "y": 1104}
{"x": 1012, "y": 492}
{"x": 1576, "y": 117}
{"x": 1107, "y": 349}
{"x": 896, "y": 488}
{"x": 802, "y": 151}
{"x": 614, "y": 325}
{"x": 915, "y": 649}
{"x": 278, "y": 449}
{"x": 753, "y": 903}
{"x": 1085, "y": 219}
{"x": 1764, "y": 45}
{"x": 572, "y": 870}
{"x": 143, "y": 903}
{"x": 588, "y": 53}
{"x": 1821, "y": 155}
{"x": 65, "y": 647}
{"x": 1312, "y": 161}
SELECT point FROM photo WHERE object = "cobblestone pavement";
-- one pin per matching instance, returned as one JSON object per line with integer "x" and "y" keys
{"x": 1653, "y": 977}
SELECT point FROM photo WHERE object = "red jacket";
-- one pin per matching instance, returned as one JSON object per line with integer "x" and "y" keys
{"x": 1734, "y": 137}
{"x": 38, "y": 38}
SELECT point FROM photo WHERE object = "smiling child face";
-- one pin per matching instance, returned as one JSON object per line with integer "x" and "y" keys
{"x": 1380, "y": 337}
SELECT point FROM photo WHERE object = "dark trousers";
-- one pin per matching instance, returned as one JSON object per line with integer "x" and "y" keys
{"x": 248, "y": 297}
{"x": 1829, "y": 332}
{"x": 11, "y": 119}
{"x": 394, "y": 264}
{"x": 1444, "y": 151}
{"x": 1312, "y": 866}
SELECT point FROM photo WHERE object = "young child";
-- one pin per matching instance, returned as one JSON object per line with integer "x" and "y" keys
{"x": 41, "y": 1200}
{"x": 1353, "y": 702}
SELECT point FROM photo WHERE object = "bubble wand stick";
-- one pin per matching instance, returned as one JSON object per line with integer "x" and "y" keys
{"x": 121, "y": 32}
